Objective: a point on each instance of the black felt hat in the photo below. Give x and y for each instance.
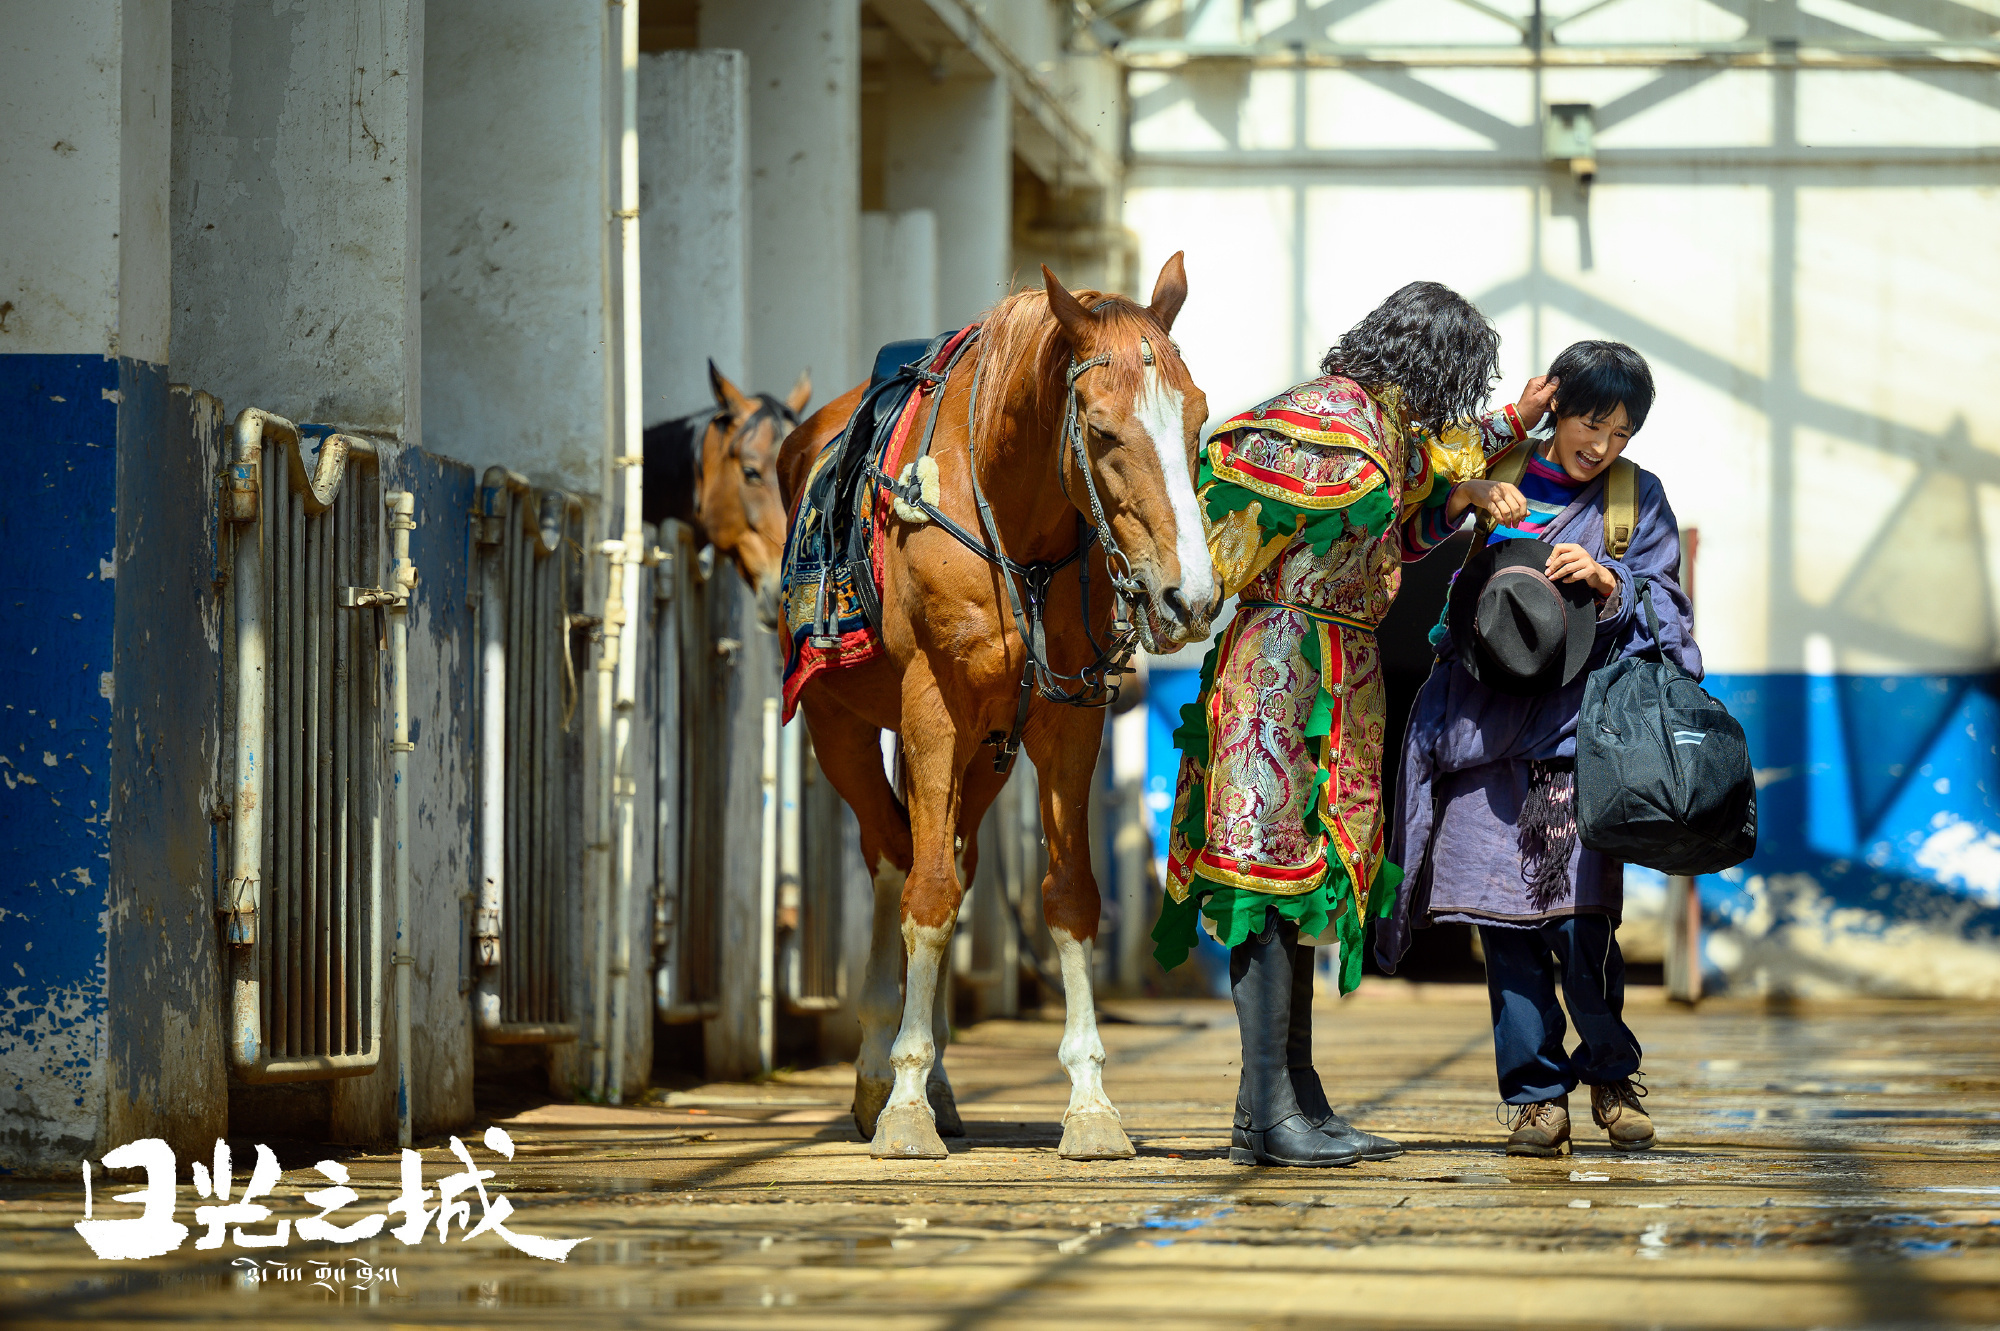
(1517, 631)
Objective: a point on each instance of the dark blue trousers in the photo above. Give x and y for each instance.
(1521, 970)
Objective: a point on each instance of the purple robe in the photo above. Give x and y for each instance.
(1467, 751)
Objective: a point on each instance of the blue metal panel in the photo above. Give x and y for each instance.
(58, 476)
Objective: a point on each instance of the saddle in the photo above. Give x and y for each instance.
(831, 581)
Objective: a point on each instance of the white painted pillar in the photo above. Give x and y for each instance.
(805, 185)
(899, 279)
(515, 237)
(694, 220)
(945, 148)
(295, 208)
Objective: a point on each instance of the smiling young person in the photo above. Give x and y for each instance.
(1486, 811)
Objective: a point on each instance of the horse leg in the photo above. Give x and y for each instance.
(1066, 757)
(907, 1128)
(978, 786)
(849, 752)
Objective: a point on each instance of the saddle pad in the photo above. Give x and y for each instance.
(831, 582)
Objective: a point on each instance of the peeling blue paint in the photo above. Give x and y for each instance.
(58, 484)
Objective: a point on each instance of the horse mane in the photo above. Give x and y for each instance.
(1023, 351)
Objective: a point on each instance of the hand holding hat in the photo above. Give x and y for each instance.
(1519, 630)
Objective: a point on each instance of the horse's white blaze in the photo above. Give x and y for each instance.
(1081, 1052)
(1159, 409)
(881, 1002)
(915, 1051)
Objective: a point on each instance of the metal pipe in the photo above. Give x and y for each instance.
(632, 544)
(767, 898)
(607, 666)
(491, 518)
(402, 582)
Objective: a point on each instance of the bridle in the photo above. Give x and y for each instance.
(768, 408)
(1096, 684)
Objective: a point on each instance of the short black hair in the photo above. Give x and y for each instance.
(1429, 341)
(1594, 377)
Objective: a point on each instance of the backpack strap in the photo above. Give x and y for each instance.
(1620, 506)
(1513, 464)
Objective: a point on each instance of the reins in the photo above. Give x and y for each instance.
(1096, 684)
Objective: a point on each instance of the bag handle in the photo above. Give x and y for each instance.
(1640, 588)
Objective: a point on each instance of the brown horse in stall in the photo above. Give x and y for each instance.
(716, 470)
(1077, 420)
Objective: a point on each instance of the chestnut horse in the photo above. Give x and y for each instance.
(716, 470)
(1056, 376)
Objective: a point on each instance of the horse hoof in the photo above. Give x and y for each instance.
(905, 1132)
(1095, 1136)
(945, 1108)
(870, 1094)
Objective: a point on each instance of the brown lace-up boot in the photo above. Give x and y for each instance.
(1541, 1128)
(1617, 1110)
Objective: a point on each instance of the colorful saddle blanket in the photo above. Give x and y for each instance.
(831, 583)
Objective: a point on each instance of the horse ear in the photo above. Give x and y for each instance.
(1171, 290)
(727, 395)
(802, 392)
(1068, 310)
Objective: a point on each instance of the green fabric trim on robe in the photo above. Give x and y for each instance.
(1237, 913)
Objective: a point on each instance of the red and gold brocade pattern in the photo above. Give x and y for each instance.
(1283, 803)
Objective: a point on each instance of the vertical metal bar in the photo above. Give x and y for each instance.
(511, 935)
(368, 516)
(548, 769)
(270, 523)
(310, 826)
(297, 806)
(542, 637)
(403, 506)
(279, 813)
(343, 665)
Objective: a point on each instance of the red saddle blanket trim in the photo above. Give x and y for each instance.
(864, 645)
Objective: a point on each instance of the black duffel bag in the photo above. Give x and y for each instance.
(1663, 774)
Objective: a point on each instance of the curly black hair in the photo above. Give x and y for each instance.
(1429, 341)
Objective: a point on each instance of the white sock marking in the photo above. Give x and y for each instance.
(881, 987)
(914, 1051)
(1081, 1052)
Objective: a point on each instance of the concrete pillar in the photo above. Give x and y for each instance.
(805, 184)
(295, 208)
(295, 220)
(109, 1029)
(694, 218)
(517, 237)
(899, 279)
(945, 148)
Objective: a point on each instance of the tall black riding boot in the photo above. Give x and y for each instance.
(1305, 1078)
(1272, 1131)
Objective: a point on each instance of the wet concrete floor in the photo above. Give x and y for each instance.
(1821, 1165)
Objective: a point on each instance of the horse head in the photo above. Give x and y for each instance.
(1138, 416)
(715, 470)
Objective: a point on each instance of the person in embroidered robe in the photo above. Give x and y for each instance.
(1313, 500)
(1486, 825)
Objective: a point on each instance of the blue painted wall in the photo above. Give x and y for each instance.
(58, 485)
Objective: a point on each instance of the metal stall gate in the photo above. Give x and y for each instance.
(302, 905)
(529, 586)
(688, 869)
(752, 848)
